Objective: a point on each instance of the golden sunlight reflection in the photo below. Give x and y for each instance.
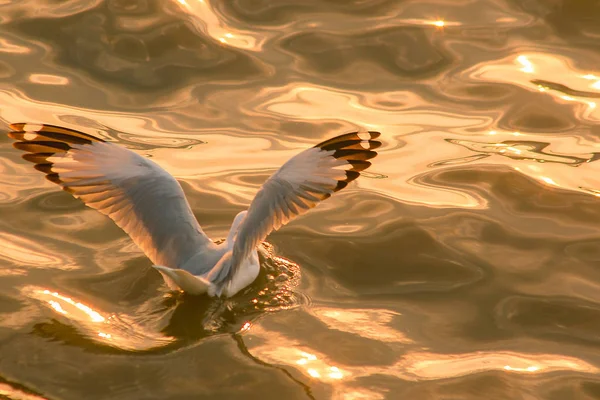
(70, 304)
(308, 102)
(246, 327)
(224, 158)
(17, 107)
(369, 323)
(440, 23)
(25, 252)
(314, 366)
(596, 84)
(524, 150)
(552, 75)
(408, 365)
(423, 365)
(544, 161)
(280, 350)
(7, 47)
(56, 305)
(548, 180)
(312, 102)
(46, 79)
(116, 330)
(208, 21)
(532, 368)
(17, 394)
(591, 104)
(527, 65)
(360, 394)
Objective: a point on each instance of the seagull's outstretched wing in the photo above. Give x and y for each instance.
(299, 185)
(142, 198)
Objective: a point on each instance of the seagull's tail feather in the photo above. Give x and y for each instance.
(224, 283)
(183, 280)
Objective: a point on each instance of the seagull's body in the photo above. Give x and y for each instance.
(150, 206)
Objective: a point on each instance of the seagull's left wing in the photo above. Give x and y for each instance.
(142, 198)
(299, 185)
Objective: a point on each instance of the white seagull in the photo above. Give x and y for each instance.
(149, 205)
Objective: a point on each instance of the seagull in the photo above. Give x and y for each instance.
(149, 204)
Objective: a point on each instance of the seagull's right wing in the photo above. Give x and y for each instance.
(299, 185)
(142, 198)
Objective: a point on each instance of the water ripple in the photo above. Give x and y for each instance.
(463, 264)
(113, 51)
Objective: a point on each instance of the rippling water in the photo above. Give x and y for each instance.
(464, 265)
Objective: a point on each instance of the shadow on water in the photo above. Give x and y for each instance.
(244, 350)
(165, 322)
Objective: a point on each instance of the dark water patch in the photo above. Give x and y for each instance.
(536, 118)
(403, 258)
(167, 53)
(565, 320)
(268, 14)
(403, 52)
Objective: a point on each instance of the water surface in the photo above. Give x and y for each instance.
(465, 264)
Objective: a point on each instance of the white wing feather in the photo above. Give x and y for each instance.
(138, 195)
(299, 185)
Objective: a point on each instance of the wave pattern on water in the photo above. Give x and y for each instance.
(463, 265)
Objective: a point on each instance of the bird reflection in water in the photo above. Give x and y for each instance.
(173, 320)
(277, 280)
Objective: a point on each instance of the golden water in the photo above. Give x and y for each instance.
(464, 265)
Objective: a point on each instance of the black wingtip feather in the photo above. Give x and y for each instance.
(37, 158)
(351, 155)
(32, 145)
(359, 165)
(355, 148)
(374, 144)
(53, 132)
(17, 126)
(340, 185)
(14, 135)
(45, 168)
(350, 176)
(355, 144)
(42, 141)
(53, 177)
